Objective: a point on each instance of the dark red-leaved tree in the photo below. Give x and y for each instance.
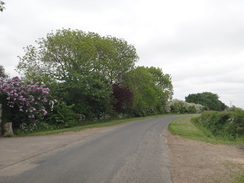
(123, 98)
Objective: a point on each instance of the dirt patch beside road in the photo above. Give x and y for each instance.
(194, 161)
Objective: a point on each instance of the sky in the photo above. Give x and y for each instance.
(200, 43)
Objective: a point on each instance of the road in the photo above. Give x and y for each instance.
(133, 152)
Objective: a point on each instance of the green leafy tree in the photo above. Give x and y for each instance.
(163, 82)
(151, 89)
(115, 57)
(208, 99)
(79, 67)
(70, 54)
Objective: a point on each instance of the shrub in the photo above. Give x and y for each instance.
(179, 106)
(63, 116)
(237, 122)
(226, 124)
(23, 103)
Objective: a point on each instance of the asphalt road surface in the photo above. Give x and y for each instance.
(135, 152)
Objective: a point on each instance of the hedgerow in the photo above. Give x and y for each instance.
(228, 124)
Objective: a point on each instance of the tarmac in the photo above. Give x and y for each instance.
(18, 154)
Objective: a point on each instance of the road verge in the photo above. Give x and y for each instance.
(198, 157)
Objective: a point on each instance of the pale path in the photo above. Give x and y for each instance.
(133, 152)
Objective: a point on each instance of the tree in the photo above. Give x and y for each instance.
(2, 72)
(2, 5)
(151, 88)
(208, 99)
(121, 60)
(68, 55)
(79, 67)
(163, 81)
(123, 98)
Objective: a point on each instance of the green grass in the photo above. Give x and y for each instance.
(239, 179)
(187, 129)
(237, 172)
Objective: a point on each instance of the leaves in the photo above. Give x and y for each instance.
(151, 88)
(79, 67)
(66, 54)
(207, 99)
(2, 5)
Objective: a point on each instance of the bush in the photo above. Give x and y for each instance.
(226, 124)
(22, 103)
(182, 107)
(237, 122)
(63, 116)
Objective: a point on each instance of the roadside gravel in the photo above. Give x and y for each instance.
(198, 162)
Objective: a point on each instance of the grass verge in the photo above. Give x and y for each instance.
(184, 127)
(237, 171)
(83, 127)
(187, 129)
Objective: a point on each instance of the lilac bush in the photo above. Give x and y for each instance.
(22, 98)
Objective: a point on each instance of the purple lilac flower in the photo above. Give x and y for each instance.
(24, 96)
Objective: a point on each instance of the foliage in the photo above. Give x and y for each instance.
(227, 124)
(2, 5)
(179, 106)
(68, 55)
(123, 98)
(91, 101)
(79, 68)
(208, 99)
(3, 75)
(151, 89)
(93, 77)
(23, 102)
(62, 116)
(119, 59)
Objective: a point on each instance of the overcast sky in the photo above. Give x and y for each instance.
(200, 43)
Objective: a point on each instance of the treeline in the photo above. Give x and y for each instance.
(209, 100)
(71, 77)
